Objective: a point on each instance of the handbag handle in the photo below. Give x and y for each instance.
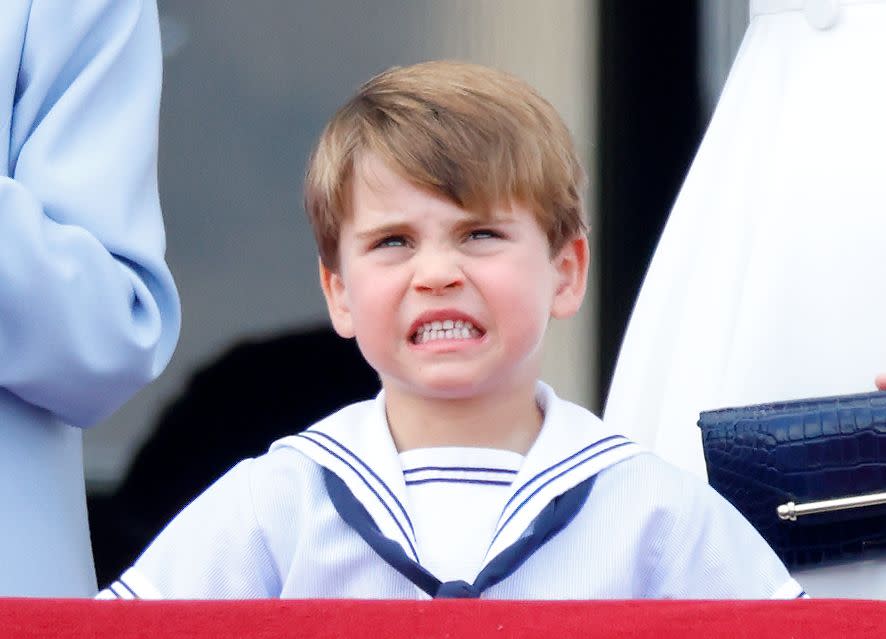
(790, 511)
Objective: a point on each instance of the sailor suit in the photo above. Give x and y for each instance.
(588, 515)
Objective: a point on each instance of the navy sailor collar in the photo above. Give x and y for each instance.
(356, 445)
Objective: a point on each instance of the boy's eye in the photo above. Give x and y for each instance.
(391, 241)
(483, 234)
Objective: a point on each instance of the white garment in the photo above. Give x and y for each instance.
(767, 282)
(268, 528)
(454, 496)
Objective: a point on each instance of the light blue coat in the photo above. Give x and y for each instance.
(88, 309)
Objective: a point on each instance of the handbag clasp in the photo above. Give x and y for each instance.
(790, 511)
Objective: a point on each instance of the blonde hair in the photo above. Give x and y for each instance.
(477, 136)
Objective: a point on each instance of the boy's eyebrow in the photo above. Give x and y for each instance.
(397, 228)
(492, 219)
(383, 229)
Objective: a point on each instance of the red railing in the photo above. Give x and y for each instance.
(328, 619)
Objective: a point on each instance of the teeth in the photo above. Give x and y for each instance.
(445, 329)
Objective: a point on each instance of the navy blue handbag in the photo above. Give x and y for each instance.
(810, 474)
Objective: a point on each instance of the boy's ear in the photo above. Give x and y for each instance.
(571, 264)
(336, 301)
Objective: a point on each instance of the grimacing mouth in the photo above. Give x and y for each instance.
(445, 329)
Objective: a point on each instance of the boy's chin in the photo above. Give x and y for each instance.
(452, 389)
(450, 392)
(438, 391)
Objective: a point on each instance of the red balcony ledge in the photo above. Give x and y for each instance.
(331, 619)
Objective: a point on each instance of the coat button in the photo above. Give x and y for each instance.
(822, 14)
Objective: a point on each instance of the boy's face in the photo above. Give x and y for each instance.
(442, 303)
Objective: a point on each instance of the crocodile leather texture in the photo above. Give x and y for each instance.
(759, 457)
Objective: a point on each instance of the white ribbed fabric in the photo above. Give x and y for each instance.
(647, 530)
(454, 497)
(767, 282)
(268, 529)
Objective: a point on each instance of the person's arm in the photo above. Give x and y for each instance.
(881, 382)
(88, 309)
(216, 548)
(712, 552)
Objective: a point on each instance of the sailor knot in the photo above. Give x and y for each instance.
(457, 590)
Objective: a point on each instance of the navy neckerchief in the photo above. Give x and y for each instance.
(550, 521)
(356, 444)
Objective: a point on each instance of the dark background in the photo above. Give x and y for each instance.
(650, 125)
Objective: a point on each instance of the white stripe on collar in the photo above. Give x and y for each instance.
(573, 446)
(356, 444)
(138, 586)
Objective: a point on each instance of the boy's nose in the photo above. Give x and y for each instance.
(436, 272)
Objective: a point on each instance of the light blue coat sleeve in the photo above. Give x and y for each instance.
(89, 312)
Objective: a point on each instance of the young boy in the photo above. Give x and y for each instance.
(446, 203)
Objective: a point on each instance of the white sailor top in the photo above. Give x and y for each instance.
(590, 516)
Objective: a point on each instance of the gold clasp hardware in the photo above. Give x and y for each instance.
(790, 511)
